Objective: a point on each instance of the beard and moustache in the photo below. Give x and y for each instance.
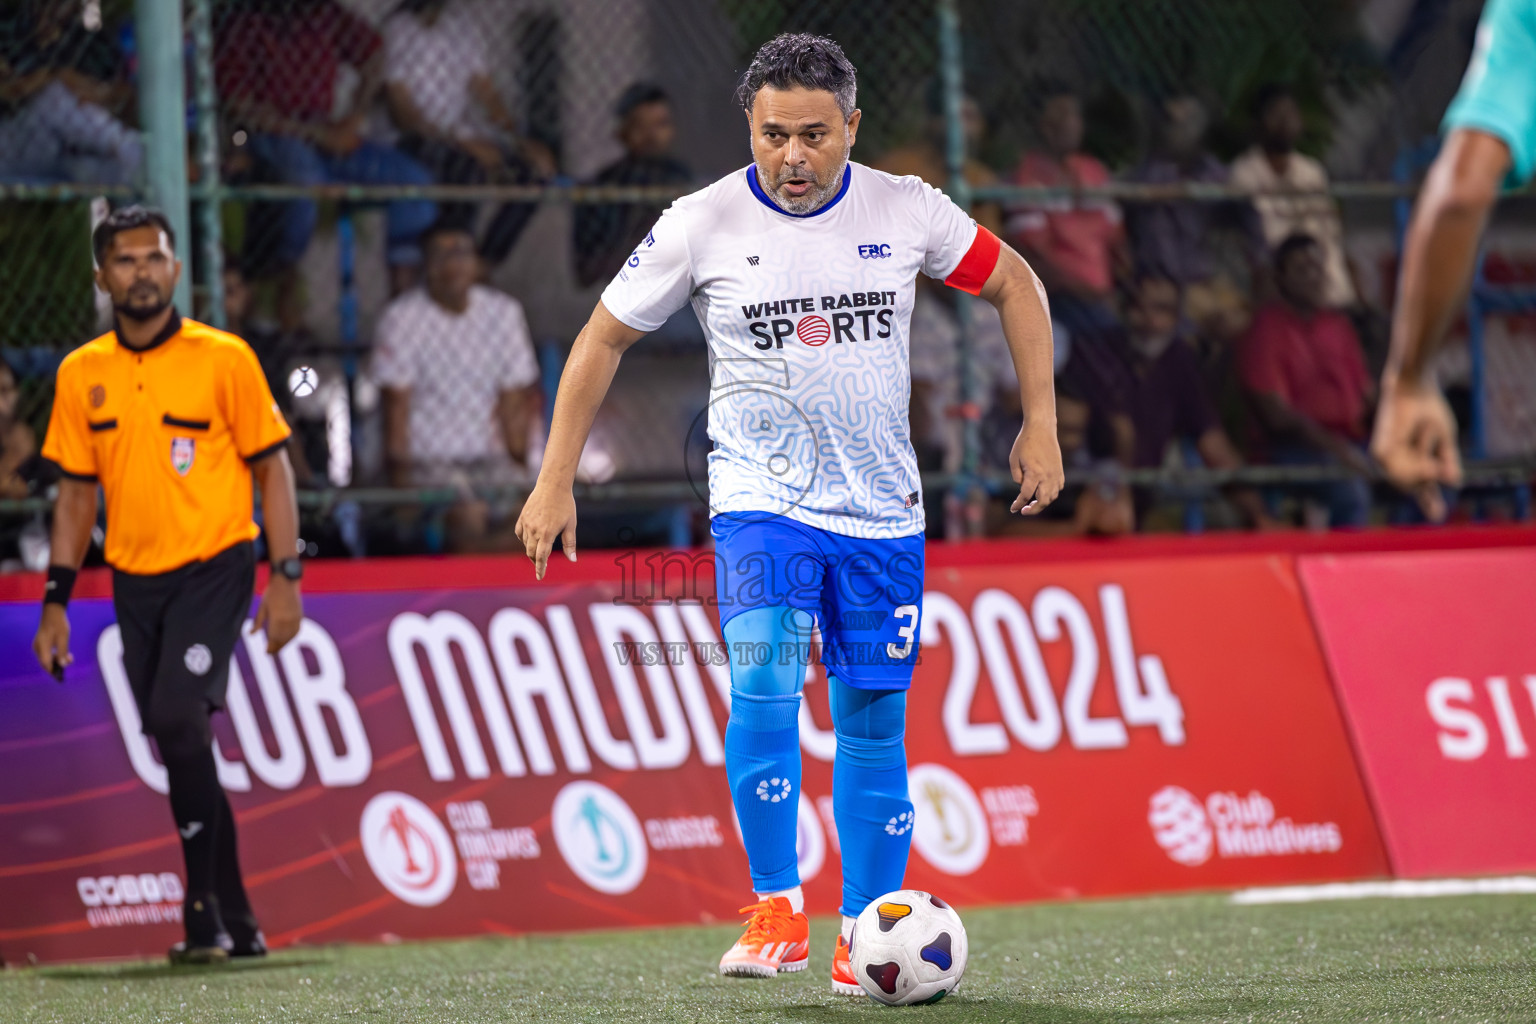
(143, 301)
(818, 195)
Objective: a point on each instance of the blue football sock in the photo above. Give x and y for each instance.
(762, 743)
(869, 791)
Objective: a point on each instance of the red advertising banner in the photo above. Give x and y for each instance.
(457, 752)
(1434, 654)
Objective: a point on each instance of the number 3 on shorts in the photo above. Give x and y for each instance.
(909, 612)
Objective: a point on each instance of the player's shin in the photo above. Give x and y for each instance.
(874, 817)
(762, 762)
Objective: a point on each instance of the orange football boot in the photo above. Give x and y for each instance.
(843, 981)
(776, 940)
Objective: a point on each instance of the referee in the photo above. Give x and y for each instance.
(173, 419)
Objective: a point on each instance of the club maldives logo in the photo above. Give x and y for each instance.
(951, 830)
(1228, 825)
(408, 849)
(599, 837)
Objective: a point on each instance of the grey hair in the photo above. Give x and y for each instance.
(800, 59)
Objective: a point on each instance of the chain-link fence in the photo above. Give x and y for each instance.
(537, 140)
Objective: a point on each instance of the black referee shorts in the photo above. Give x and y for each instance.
(179, 630)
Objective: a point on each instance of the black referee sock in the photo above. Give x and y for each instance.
(197, 802)
(234, 906)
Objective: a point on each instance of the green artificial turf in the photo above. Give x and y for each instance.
(1195, 958)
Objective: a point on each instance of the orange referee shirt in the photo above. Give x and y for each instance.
(169, 431)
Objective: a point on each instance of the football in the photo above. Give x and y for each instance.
(908, 947)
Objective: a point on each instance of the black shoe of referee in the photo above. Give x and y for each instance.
(245, 938)
(200, 916)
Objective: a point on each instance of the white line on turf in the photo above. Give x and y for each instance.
(1399, 889)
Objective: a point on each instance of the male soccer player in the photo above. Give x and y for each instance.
(1491, 139)
(802, 268)
(173, 419)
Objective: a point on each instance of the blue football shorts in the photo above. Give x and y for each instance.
(865, 594)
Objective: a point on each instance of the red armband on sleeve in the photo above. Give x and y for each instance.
(977, 263)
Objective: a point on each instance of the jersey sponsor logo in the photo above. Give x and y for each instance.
(183, 451)
(198, 659)
(1228, 825)
(752, 261)
(871, 316)
(599, 837)
(408, 849)
(881, 251)
(813, 330)
(634, 257)
(98, 396)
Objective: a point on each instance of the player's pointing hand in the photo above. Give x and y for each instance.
(1415, 444)
(1036, 466)
(548, 513)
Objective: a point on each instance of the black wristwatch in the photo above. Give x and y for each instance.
(289, 568)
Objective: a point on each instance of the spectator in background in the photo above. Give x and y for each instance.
(1076, 245)
(277, 62)
(438, 83)
(1303, 206)
(927, 159)
(62, 91)
(1190, 242)
(1149, 372)
(460, 384)
(1302, 366)
(17, 441)
(606, 234)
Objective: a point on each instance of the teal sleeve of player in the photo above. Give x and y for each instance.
(1498, 94)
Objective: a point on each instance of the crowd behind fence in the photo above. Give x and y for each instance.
(409, 207)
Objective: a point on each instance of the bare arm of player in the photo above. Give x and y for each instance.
(550, 511)
(1035, 461)
(282, 609)
(74, 514)
(1415, 435)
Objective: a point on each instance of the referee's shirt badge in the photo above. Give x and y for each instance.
(183, 449)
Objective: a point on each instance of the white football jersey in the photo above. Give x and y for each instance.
(807, 320)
